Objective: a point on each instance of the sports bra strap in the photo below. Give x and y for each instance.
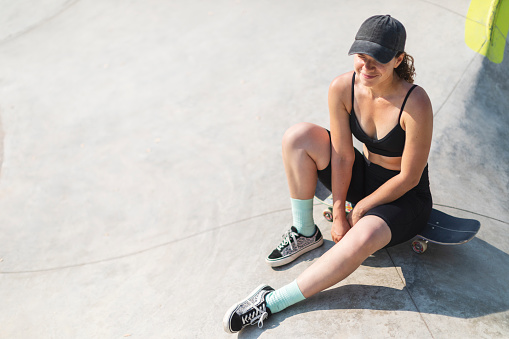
(353, 84)
(404, 101)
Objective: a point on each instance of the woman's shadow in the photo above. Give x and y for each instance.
(466, 281)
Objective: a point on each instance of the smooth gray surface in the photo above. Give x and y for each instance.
(141, 178)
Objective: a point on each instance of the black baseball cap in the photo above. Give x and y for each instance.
(381, 37)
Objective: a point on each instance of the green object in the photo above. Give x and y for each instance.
(486, 28)
(302, 212)
(284, 297)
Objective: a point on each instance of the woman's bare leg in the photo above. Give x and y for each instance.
(369, 235)
(306, 148)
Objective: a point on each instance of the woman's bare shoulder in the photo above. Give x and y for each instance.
(342, 82)
(341, 89)
(418, 105)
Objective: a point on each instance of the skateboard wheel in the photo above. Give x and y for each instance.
(327, 214)
(419, 246)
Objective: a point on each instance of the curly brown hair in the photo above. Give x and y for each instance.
(406, 69)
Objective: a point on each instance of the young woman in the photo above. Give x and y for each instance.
(388, 184)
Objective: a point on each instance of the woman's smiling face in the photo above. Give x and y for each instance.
(372, 72)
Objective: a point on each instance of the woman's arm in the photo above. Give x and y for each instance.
(417, 121)
(342, 152)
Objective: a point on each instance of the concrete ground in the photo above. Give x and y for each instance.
(142, 184)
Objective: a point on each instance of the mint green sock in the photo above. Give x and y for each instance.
(284, 297)
(302, 212)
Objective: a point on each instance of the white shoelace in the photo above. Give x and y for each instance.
(261, 316)
(287, 240)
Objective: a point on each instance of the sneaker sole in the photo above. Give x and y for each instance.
(229, 313)
(286, 260)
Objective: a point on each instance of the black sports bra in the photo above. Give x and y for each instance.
(392, 144)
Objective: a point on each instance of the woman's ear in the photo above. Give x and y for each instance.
(399, 60)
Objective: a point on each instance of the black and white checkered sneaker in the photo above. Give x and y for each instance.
(293, 246)
(250, 311)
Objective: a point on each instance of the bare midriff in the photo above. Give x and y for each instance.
(390, 163)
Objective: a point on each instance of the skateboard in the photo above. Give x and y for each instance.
(445, 229)
(323, 195)
(442, 228)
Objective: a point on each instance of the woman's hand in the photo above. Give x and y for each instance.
(355, 215)
(339, 228)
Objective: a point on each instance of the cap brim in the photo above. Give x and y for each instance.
(379, 52)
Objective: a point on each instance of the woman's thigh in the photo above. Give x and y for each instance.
(367, 236)
(406, 216)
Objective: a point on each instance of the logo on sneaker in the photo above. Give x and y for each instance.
(250, 311)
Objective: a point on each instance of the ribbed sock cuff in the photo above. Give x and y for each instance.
(302, 212)
(284, 297)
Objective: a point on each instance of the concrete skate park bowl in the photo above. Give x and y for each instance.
(142, 184)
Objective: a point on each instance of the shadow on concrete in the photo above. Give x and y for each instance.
(348, 297)
(488, 118)
(466, 281)
(473, 140)
(445, 280)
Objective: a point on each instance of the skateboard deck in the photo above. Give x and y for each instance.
(442, 228)
(445, 229)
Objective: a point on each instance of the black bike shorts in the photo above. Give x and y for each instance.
(406, 216)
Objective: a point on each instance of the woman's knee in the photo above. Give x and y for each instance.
(309, 139)
(298, 134)
(372, 233)
(307, 136)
